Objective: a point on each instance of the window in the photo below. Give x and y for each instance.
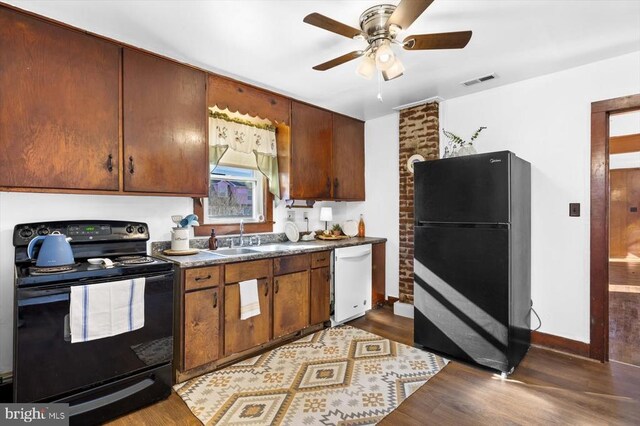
(235, 193)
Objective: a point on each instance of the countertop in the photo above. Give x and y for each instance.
(204, 258)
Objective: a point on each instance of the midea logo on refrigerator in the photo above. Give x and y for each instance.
(495, 160)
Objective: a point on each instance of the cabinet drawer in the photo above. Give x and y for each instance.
(236, 272)
(321, 259)
(201, 277)
(288, 264)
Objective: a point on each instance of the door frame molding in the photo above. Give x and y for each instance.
(599, 261)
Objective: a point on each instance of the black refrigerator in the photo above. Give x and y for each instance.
(472, 258)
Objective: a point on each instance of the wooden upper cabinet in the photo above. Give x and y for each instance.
(165, 113)
(58, 106)
(237, 97)
(310, 168)
(348, 158)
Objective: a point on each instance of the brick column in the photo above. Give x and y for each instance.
(419, 134)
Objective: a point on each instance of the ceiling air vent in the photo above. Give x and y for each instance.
(480, 79)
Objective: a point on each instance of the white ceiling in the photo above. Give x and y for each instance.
(266, 43)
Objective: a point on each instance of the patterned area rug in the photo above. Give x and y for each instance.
(337, 376)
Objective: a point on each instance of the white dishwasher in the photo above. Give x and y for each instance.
(352, 282)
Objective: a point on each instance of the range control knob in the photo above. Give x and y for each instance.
(141, 230)
(43, 231)
(129, 229)
(26, 233)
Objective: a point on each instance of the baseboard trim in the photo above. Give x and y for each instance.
(561, 344)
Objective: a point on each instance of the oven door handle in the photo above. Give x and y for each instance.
(110, 398)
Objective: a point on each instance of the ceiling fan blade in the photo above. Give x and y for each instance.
(339, 60)
(407, 12)
(329, 24)
(454, 40)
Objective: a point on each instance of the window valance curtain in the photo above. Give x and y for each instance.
(244, 136)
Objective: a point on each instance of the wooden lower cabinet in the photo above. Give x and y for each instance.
(290, 303)
(201, 327)
(320, 295)
(240, 335)
(294, 296)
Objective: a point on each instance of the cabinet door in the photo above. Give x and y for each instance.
(290, 303)
(244, 334)
(59, 106)
(348, 158)
(164, 126)
(310, 176)
(225, 93)
(320, 295)
(201, 327)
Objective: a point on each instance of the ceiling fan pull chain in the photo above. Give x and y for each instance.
(379, 96)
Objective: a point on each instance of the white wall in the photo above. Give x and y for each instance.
(381, 210)
(546, 121)
(24, 208)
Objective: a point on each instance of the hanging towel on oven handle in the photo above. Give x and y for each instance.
(106, 309)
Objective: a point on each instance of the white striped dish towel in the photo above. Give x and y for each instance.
(106, 309)
(249, 302)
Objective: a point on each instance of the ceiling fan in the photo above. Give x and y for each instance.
(379, 26)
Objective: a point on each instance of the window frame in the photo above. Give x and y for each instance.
(258, 178)
(204, 230)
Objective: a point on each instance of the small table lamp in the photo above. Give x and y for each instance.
(326, 215)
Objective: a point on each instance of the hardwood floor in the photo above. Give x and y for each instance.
(547, 388)
(624, 311)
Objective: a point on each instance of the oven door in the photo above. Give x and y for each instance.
(47, 366)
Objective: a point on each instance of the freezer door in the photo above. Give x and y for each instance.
(461, 287)
(471, 189)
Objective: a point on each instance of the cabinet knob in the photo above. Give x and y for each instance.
(276, 288)
(215, 299)
(131, 168)
(110, 163)
(266, 290)
(328, 183)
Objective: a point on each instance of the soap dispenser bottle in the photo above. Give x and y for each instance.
(361, 227)
(213, 242)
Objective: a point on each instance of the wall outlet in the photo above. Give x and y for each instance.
(305, 215)
(291, 216)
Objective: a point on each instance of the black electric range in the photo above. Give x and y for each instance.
(103, 378)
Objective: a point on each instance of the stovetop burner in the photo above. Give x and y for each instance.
(134, 260)
(46, 270)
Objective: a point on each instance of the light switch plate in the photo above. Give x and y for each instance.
(574, 209)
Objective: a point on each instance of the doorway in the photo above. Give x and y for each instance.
(599, 258)
(624, 237)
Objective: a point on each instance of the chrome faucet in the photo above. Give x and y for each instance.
(241, 232)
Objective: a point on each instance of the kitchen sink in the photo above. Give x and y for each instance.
(282, 247)
(272, 247)
(235, 251)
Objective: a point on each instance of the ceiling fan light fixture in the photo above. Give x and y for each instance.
(367, 67)
(384, 56)
(394, 71)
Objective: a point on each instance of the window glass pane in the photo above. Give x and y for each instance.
(231, 198)
(235, 193)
